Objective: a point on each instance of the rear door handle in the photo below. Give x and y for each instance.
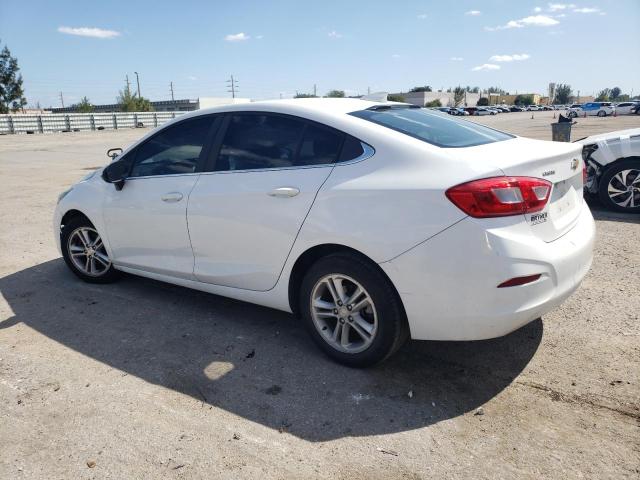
(284, 192)
(171, 197)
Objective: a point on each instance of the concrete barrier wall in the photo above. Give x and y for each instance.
(58, 122)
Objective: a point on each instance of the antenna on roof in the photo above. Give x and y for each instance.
(376, 97)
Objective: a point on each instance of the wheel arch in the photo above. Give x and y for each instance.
(315, 253)
(73, 214)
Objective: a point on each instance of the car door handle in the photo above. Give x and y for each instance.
(284, 192)
(171, 197)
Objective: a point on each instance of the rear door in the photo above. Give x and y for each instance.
(245, 214)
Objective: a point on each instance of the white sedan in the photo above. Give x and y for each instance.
(372, 221)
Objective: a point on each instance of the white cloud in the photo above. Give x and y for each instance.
(89, 32)
(473, 13)
(395, 55)
(486, 66)
(587, 10)
(537, 9)
(237, 37)
(422, 16)
(561, 15)
(457, 59)
(510, 58)
(334, 34)
(555, 7)
(531, 21)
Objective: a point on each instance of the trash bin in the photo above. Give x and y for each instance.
(561, 132)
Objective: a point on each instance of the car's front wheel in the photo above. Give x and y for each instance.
(602, 113)
(619, 186)
(352, 311)
(84, 252)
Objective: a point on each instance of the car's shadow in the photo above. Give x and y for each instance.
(256, 362)
(600, 212)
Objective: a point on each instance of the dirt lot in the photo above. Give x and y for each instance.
(145, 380)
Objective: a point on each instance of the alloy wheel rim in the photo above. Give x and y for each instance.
(343, 313)
(87, 252)
(624, 188)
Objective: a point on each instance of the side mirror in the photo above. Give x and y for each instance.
(116, 173)
(114, 152)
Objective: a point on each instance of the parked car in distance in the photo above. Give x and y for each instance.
(625, 108)
(636, 110)
(483, 111)
(516, 108)
(459, 111)
(503, 109)
(443, 109)
(613, 168)
(372, 221)
(532, 108)
(600, 109)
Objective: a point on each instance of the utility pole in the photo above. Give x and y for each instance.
(233, 84)
(314, 90)
(62, 99)
(368, 90)
(127, 80)
(138, 81)
(171, 86)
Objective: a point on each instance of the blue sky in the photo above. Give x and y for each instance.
(280, 47)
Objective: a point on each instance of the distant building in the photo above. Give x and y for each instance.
(510, 99)
(184, 105)
(446, 98)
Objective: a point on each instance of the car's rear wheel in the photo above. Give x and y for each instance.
(84, 252)
(352, 311)
(619, 186)
(602, 113)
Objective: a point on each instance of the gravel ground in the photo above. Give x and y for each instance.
(146, 380)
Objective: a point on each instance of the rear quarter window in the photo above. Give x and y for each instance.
(436, 128)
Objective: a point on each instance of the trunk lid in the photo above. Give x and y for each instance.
(556, 162)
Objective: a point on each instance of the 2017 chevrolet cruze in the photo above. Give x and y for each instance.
(372, 221)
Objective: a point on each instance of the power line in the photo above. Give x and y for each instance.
(233, 84)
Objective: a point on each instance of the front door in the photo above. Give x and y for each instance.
(146, 221)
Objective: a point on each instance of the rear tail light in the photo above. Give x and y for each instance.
(500, 196)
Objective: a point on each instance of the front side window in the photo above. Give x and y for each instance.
(256, 141)
(431, 127)
(174, 150)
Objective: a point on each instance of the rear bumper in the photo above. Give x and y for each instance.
(448, 284)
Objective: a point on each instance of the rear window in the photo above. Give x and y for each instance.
(435, 128)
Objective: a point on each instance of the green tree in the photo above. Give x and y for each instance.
(11, 92)
(434, 103)
(563, 94)
(472, 89)
(603, 95)
(305, 95)
(395, 98)
(336, 94)
(615, 93)
(84, 106)
(130, 102)
(483, 102)
(425, 88)
(523, 100)
(497, 90)
(458, 96)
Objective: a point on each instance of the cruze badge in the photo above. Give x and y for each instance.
(574, 163)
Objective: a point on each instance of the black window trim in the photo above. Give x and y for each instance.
(210, 164)
(206, 147)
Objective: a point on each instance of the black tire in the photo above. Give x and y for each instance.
(392, 330)
(109, 274)
(602, 113)
(607, 176)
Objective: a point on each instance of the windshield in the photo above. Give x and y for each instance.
(432, 127)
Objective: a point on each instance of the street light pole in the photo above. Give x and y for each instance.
(138, 82)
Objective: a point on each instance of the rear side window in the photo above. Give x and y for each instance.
(174, 150)
(259, 141)
(435, 128)
(351, 149)
(320, 146)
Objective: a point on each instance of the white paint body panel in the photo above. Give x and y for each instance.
(243, 243)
